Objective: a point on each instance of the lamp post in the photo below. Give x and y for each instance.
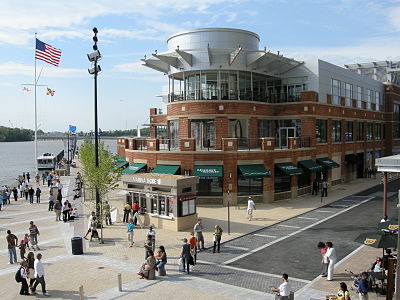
(94, 57)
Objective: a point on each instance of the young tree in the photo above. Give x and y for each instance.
(104, 177)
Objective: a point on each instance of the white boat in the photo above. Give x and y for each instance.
(49, 161)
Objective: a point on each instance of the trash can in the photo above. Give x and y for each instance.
(77, 245)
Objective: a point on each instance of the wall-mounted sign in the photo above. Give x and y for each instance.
(186, 198)
(146, 180)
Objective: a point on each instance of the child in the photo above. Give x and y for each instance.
(94, 232)
(22, 249)
(26, 241)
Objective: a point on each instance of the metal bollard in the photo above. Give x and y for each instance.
(81, 294)
(119, 282)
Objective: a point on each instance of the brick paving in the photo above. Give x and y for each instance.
(97, 269)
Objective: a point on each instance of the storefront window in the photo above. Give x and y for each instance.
(360, 131)
(378, 131)
(210, 186)
(170, 202)
(249, 185)
(162, 205)
(282, 182)
(142, 201)
(305, 179)
(187, 207)
(321, 131)
(154, 204)
(336, 131)
(348, 135)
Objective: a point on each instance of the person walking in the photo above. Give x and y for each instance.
(30, 260)
(49, 180)
(332, 258)
(21, 190)
(23, 175)
(24, 275)
(315, 187)
(38, 192)
(135, 210)
(193, 246)
(284, 289)
(57, 209)
(250, 207)
(324, 188)
(44, 176)
(185, 254)
(198, 229)
(31, 193)
(92, 219)
(28, 176)
(15, 193)
(39, 275)
(33, 233)
(107, 213)
(12, 242)
(65, 210)
(37, 179)
(148, 246)
(26, 192)
(51, 201)
(324, 260)
(130, 233)
(22, 249)
(362, 289)
(152, 234)
(127, 211)
(217, 238)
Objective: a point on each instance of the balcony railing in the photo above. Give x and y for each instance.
(233, 96)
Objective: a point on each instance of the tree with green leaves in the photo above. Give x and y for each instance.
(104, 177)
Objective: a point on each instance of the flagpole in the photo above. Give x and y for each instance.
(36, 165)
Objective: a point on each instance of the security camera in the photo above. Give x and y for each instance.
(93, 70)
(94, 55)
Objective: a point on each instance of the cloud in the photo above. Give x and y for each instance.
(373, 49)
(13, 68)
(135, 67)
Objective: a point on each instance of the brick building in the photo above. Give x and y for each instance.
(251, 122)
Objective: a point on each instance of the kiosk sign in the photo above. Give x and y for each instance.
(146, 180)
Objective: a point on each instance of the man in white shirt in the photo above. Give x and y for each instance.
(152, 233)
(250, 207)
(284, 289)
(92, 218)
(39, 275)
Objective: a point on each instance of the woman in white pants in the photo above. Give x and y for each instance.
(331, 255)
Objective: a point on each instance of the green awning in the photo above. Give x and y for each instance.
(133, 168)
(327, 162)
(289, 168)
(120, 165)
(254, 171)
(208, 171)
(121, 159)
(311, 165)
(165, 169)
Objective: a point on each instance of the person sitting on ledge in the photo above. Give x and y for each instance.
(148, 265)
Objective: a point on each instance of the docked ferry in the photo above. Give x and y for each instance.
(49, 161)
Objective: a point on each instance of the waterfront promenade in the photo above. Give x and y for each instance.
(97, 269)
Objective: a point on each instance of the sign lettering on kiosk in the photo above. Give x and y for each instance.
(146, 180)
(187, 197)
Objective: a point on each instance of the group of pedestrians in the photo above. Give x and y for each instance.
(33, 270)
(328, 259)
(316, 187)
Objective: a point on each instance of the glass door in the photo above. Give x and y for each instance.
(283, 134)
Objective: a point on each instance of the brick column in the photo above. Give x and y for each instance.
(307, 96)
(152, 145)
(229, 144)
(267, 143)
(308, 130)
(153, 131)
(221, 131)
(254, 141)
(187, 144)
(292, 143)
(184, 128)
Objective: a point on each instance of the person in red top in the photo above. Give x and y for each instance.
(135, 209)
(324, 261)
(193, 246)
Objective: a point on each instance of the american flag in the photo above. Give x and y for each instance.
(47, 53)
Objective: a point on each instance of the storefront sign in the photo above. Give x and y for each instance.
(146, 180)
(186, 198)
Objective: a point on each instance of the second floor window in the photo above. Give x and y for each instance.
(349, 132)
(336, 131)
(335, 91)
(320, 131)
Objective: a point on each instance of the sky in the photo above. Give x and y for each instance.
(340, 31)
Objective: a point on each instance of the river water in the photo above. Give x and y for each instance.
(18, 157)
